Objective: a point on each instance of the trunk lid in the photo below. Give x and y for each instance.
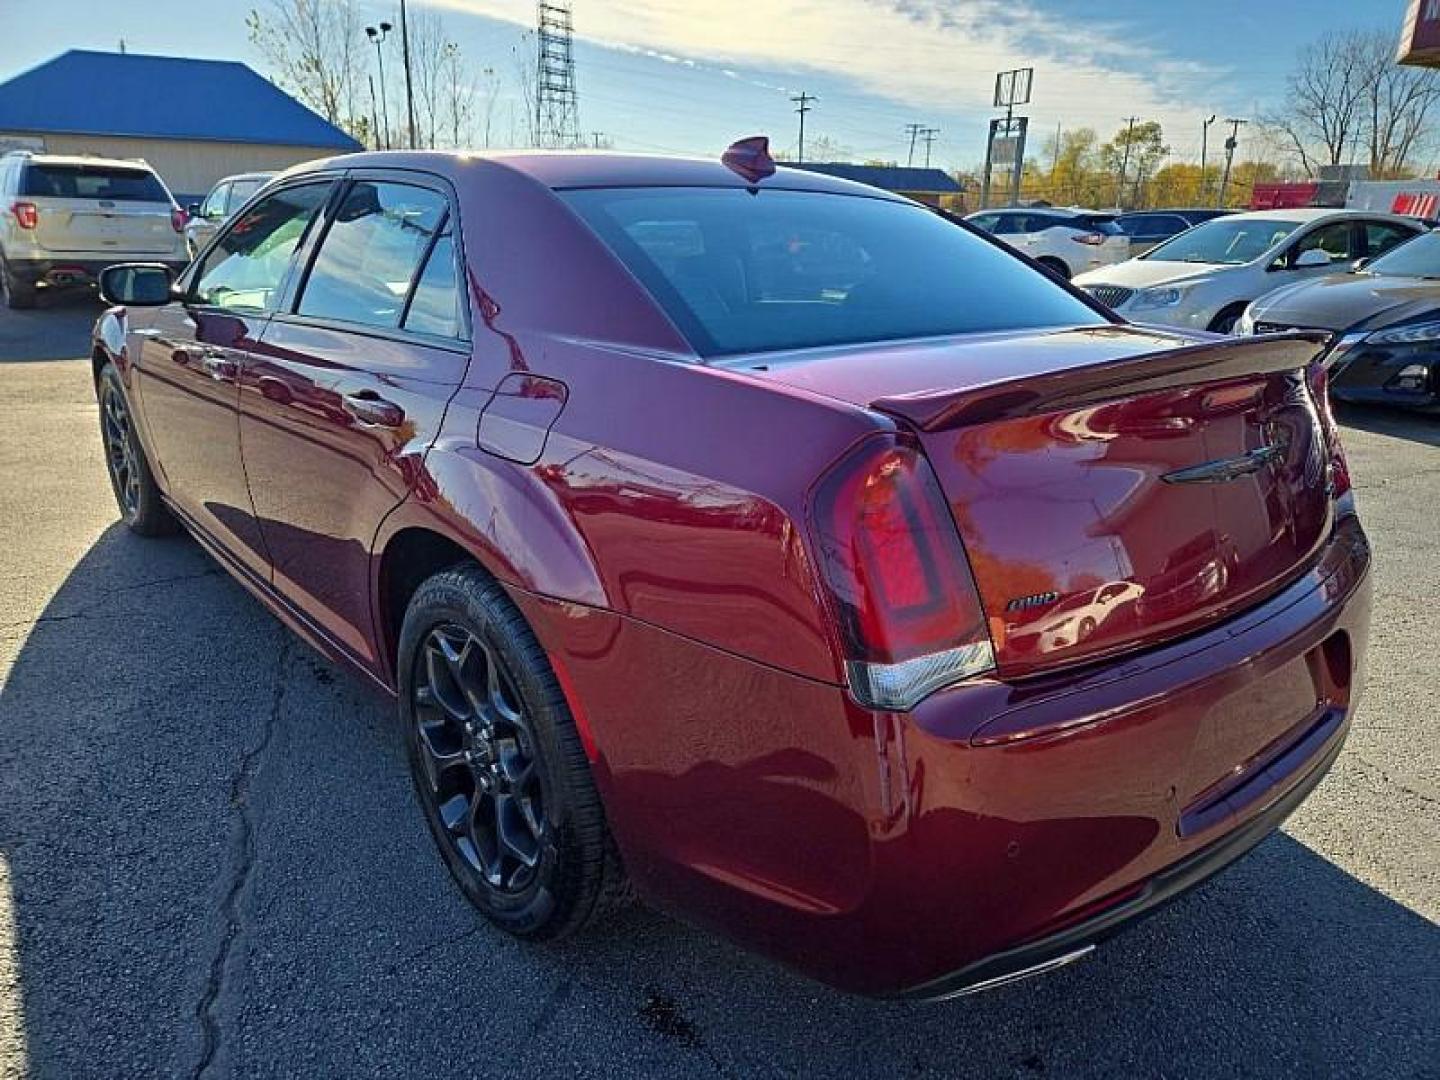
(1114, 487)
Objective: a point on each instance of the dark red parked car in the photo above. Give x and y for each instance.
(762, 541)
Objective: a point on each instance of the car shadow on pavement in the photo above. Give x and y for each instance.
(1399, 423)
(216, 867)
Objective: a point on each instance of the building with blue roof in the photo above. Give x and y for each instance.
(193, 121)
(934, 187)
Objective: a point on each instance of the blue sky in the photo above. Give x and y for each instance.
(691, 75)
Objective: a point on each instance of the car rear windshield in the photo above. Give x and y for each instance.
(1229, 241)
(117, 184)
(743, 272)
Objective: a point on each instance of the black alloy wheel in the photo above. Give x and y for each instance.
(477, 750)
(498, 764)
(136, 493)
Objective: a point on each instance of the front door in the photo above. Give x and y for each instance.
(189, 361)
(346, 391)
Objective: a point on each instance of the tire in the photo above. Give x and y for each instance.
(1224, 322)
(507, 778)
(19, 295)
(1056, 267)
(136, 494)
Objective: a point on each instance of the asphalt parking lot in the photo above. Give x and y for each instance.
(211, 863)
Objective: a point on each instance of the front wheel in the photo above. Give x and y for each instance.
(1224, 323)
(136, 493)
(1056, 267)
(497, 762)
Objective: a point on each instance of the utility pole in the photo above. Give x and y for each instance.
(912, 130)
(928, 134)
(1130, 122)
(1230, 144)
(409, 92)
(802, 106)
(377, 35)
(1204, 145)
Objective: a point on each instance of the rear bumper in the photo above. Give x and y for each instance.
(61, 272)
(998, 827)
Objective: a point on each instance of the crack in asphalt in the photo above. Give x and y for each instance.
(243, 848)
(88, 608)
(1385, 777)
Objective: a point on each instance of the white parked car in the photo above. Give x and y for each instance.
(64, 219)
(1067, 241)
(1204, 278)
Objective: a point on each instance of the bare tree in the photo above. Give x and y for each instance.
(313, 50)
(1398, 101)
(1347, 97)
(428, 45)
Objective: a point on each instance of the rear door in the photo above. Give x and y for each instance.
(96, 208)
(345, 392)
(190, 356)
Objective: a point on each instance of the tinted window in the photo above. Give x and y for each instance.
(370, 252)
(791, 269)
(1151, 225)
(245, 269)
(1009, 224)
(1380, 237)
(985, 221)
(1419, 258)
(1229, 241)
(1095, 223)
(435, 307)
(110, 182)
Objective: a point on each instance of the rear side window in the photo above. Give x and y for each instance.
(1096, 223)
(92, 182)
(370, 254)
(240, 191)
(435, 307)
(741, 272)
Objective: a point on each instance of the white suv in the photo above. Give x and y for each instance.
(1066, 241)
(64, 219)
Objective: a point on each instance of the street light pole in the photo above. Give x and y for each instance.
(409, 92)
(1204, 146)
(378, 36)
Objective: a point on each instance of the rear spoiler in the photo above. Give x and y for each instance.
(1130, 376)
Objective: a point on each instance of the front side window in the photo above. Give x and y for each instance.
(741, 272)
(215, 202)
(240, 191)
(1333, 240)
(369, 255)
(1419, 258)
(246, 267)
(1225, 241)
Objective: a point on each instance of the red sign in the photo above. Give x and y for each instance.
(1420, 38)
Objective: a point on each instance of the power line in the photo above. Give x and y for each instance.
(802, 106)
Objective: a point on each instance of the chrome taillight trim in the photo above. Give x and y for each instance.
(902, 686)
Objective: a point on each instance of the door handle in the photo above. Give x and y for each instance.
(370, 408)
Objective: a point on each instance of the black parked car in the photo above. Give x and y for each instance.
(1146, 228)
(1386, 319)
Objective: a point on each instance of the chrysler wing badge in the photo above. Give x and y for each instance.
(1225, 469)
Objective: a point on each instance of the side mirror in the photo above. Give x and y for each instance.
(1360, 264)
(136, 284)
(1311, 259)
(193, 209)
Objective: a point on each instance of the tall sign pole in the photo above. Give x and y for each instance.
(1005, 144)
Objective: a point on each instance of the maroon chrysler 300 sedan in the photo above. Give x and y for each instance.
(768, 544)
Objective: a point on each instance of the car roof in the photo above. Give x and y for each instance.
(86, 159)
(243, 176)
(566, 169)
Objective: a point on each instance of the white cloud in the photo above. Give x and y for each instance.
(922, 54)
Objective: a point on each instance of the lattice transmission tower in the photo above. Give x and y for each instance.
(557, 104)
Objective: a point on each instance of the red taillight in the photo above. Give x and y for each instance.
(26, 214)
(909, 617)
(178, 218)
(1094, 239)
(1339, 467)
